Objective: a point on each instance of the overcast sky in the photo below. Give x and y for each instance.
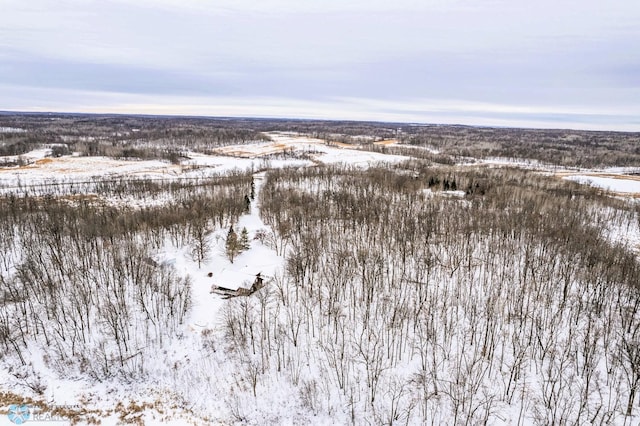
(542, 63)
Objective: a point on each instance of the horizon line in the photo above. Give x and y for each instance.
(307, 119)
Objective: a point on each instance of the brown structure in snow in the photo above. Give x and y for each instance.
(227, 293)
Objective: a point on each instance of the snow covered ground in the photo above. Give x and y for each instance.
(241, 273)
(164, 391)
(622, 184)
(42, 171)
(514, 162)
(11, 130)
(185, 377)
(317, 149)
(28, 158)
(163, 397)
(285, 150)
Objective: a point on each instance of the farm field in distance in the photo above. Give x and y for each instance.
(191, 270)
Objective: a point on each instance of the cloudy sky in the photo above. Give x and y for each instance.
(543, 63)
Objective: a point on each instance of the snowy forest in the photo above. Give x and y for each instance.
(412, 283)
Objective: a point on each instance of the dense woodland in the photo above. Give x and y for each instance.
(513, 300)
(119, 136)
(570, 148)
(407, 307)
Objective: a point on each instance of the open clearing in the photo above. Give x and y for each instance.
(621, 184)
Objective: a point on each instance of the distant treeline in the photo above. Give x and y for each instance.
(167, 137)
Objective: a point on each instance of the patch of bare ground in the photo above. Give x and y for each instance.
(44, 161)
(387, 142)
(277, 147)
(245, 153)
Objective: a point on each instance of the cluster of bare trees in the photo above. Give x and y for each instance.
(400, 306)
(121, 136)
(78, 275)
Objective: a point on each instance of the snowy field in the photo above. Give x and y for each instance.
(622, 184)
(43, 171)
(318, 150)
(285, 150)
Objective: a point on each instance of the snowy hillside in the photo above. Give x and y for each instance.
(396, 290)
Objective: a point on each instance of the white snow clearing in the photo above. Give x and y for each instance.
(28, 158)
(240, 273)
(623, 184)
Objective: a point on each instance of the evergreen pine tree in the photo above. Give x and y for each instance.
(244, 239)
(253, 189)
